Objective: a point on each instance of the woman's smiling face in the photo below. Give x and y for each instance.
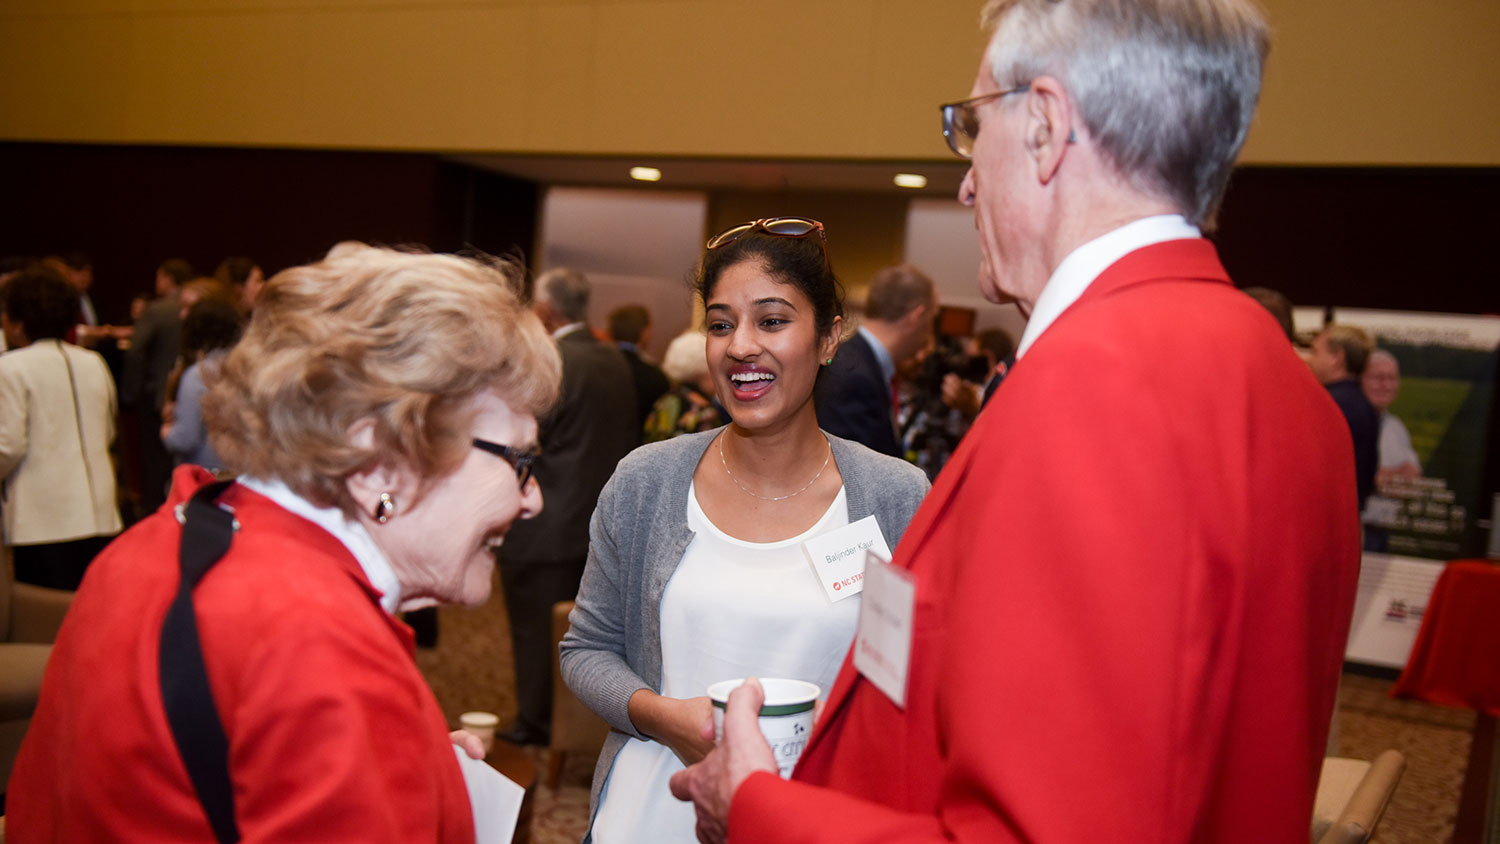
(764, 347)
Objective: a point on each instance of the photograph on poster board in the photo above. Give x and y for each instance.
(1431, 379)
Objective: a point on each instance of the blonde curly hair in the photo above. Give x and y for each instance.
(403, 339)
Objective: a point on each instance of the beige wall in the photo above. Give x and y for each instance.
(1350, 82)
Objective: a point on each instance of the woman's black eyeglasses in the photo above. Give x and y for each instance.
(521, 459)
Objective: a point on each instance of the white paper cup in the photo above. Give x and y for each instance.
(481, 724)
(786, 717)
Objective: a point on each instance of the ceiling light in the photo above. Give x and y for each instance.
(651, 174)
(910, 180)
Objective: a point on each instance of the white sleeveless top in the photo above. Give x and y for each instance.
(731, 609)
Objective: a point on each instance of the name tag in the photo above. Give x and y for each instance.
(838, 557)
(882, 648)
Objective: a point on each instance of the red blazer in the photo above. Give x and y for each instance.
(1134, 583)
(333, 735)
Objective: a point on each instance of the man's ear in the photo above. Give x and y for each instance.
(1050, 125)
(545, 312)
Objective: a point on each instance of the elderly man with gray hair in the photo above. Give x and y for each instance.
(592, 426)
(1123, 605)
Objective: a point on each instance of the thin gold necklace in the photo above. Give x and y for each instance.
(754, 494)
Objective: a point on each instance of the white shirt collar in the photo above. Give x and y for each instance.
(882, 355)
(352, 534)
(1084, 264)
(567, 329)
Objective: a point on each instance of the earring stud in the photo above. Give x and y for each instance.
(385, 508)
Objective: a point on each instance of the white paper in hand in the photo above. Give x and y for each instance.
(495, 800)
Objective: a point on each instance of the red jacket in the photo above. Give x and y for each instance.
(333, 735)
(1134, 582)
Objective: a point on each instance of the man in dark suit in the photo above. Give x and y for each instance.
(856, 394)
(582, 438)
(1339, 355)
(630, 329)
(148, 362)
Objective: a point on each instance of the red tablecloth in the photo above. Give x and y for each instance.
(1456, 660)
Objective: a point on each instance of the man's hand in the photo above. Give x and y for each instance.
(92, 335)
(472, 745)
(711, 784)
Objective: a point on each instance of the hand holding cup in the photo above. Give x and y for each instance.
(787, 711)
(742, 751)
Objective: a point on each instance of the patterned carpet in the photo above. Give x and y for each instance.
(470, 669)
(1435, 740)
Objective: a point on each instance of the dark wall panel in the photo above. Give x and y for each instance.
(130, 208)
(1400, 238)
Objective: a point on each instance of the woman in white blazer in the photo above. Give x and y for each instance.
(57, 419)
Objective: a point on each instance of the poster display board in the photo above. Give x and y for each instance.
(1388, 608)
(1434, 393)
(1429, 493)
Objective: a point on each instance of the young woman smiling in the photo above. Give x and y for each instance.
(696, 571)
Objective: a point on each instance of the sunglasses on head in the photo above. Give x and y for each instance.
(778, 226)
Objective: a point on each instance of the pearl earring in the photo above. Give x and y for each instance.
(385, 508)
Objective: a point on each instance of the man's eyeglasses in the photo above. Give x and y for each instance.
(520, 459)
(961, 120)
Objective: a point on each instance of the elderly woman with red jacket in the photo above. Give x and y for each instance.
(381, 410)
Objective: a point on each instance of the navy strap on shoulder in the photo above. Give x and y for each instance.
(207, 531)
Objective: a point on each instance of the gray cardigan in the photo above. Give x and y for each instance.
(636, 539)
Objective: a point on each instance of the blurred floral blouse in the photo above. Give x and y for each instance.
(684, 410)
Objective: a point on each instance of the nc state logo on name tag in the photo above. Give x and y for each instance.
(838, 557)
(882, 647)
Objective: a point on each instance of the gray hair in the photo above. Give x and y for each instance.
(567, 291)
(1167, 88)
(687, 358)
(897, 291)
(1382, 354)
